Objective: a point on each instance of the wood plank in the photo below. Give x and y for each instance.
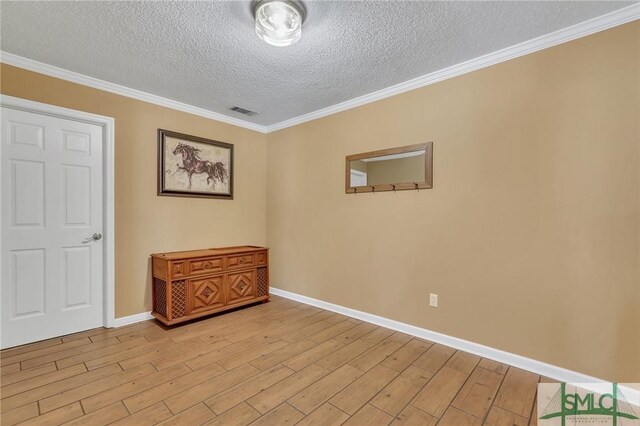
(331, 332)
(102, 417)
(9, 369)
(455, 417)
(344, 354)
(309, 330)
(162, 391)
(6, 359)
(19, 415)
(237, 360)
(355, 333)
(185, 392)
(412, 416)
(434, 358)
(59, 416)
(495, 366)
(179, 358)
(83, 334)
(478, 392)
(146, 326)
(325, 415)
(463, 361)
(400, 337)
(499, 417)
(225, 352)
(322, 390)
(377, 335)
(357, 394)
(30, 347)
(60, 386)
(518, 392)
(241, 392)
(282, 415)
(312, 355)
(375, 355)
(195, 415)
(26, 374)
(274, 358)
(44, 359)
(126, 354)
(132, 387)
(40, 380)
(275, 395)
(397, 394)
(438, 393)
(240, 415)
(77, 393)
(166, 350)
(369, 415)
(149, 416)
(407, 354)
(88, 356)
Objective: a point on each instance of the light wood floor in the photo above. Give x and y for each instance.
(272, 364)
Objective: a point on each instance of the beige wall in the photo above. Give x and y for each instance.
(531, 233)
(144, 222)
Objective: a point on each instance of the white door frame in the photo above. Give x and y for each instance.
(108, 132)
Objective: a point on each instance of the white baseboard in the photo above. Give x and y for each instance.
(131, 319)
(538, 367)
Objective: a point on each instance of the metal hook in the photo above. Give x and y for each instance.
(394, 187)
(373, 188)
(355, 190)
(416, 184)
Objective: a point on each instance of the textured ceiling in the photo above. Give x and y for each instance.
(207, 54)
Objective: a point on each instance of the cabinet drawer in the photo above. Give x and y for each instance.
(240, 286)
(179, 269)
(240, 261)
(206, 293)
(210, 265)
(261, 258)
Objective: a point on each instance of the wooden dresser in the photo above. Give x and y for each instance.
(195, 283)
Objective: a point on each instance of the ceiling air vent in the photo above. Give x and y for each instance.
(243, 111)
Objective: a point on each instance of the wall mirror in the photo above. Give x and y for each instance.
(394, 169)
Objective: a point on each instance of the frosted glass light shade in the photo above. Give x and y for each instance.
(279, 22)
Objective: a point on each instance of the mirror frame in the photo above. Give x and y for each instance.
(398, 186)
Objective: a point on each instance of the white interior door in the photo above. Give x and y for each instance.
(52, 208)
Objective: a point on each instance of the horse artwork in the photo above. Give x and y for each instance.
(194, 166)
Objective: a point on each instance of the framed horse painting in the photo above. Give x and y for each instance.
(190, 166)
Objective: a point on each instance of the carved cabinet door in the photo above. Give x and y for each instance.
(241, 286)
(206, 293)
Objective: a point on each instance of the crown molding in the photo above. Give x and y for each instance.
(600, 23)
(582, 29)
(74, 77)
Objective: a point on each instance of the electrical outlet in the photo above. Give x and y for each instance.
(433, 300)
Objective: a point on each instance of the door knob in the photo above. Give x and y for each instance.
(94, 237)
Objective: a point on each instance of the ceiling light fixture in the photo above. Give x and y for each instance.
(279, 22)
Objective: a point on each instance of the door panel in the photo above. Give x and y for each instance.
(206, 293)
(241, 286)
(27, 271)
(51, 190)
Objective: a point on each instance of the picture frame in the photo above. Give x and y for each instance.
(192, 166)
